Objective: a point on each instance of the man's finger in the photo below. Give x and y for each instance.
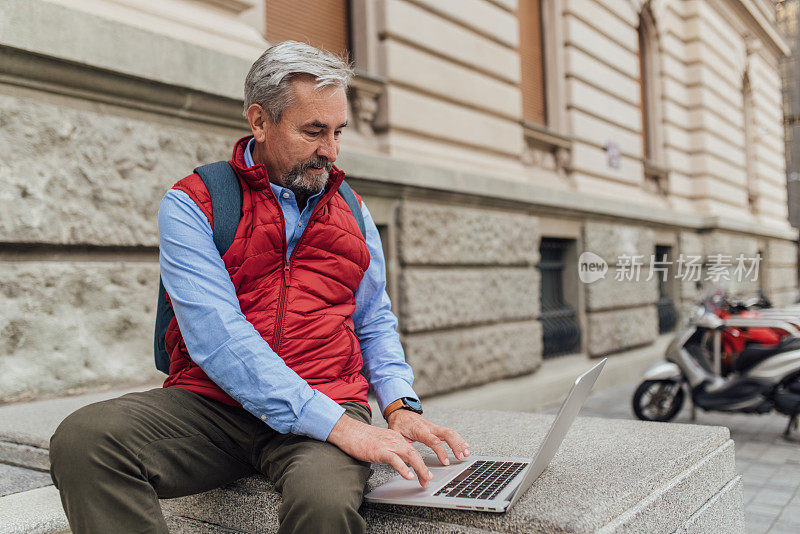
(454, 440)
(399, 465)
(433, 441)
(414, 458)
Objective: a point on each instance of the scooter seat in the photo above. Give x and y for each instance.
(754, 354)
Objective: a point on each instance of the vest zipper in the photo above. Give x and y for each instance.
(285, 275)
(282, 302)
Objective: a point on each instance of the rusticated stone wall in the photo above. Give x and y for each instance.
(469, 294)
(75, 173)
(620, 313)
(781, 272)
(777, 271)
(614, 330)
(80, 185)
(75, 324)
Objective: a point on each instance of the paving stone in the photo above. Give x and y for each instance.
(757, 523)
(790, 513)
(762, 508)
(783, 527)
(774, 497)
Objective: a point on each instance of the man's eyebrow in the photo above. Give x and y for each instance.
(317, 124)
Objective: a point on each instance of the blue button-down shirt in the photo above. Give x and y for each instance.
(230, 350)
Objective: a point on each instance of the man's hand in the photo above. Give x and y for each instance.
(414, 427)
(381, 445)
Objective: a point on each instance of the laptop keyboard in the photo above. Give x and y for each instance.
(482, 480)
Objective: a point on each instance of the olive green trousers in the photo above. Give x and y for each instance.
(111, 461)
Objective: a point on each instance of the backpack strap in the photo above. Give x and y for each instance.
(226, 201)
(355, 207)
(226, 206)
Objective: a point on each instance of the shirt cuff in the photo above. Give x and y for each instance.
(318, 417)
(391, 390)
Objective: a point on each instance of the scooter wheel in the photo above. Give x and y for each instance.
(657, 400)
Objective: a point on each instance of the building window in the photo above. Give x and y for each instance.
(542, 86)
(561, 331)
(323, 23)
(650, 103)
(749, 142)
(667, 314)
(532, 76)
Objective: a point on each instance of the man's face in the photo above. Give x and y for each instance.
(300, 150)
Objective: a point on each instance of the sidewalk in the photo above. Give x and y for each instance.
(769, 465)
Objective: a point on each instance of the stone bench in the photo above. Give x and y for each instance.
(608, 476)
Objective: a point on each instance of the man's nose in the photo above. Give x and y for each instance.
(328, 148)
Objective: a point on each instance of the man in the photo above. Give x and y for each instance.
(268, 342)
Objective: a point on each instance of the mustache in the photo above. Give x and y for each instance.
(320, 161)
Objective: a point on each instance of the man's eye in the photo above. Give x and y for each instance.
(311, 132)
(337, 133)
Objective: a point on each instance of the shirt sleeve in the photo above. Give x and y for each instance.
(218, 336)
(376, 326)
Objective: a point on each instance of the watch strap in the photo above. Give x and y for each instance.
(403, 403)
(393, 406)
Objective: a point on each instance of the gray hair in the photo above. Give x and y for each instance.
(268, 83)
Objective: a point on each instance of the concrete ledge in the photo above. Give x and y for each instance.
(608, 476)
(721, 513)
(612, 476)
(33, 512)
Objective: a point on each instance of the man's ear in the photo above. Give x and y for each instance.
(258, 118)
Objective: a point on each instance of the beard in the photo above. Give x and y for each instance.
(305, 185)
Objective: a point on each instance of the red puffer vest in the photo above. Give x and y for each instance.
(301, 307)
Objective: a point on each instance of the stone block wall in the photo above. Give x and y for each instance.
(776, 271)
(780, 272)
(620, 310)
(80, 185)
(469, 294)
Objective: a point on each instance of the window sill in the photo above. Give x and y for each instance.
(656, 177)
(542, 136)
(540, 139)
(655, 171)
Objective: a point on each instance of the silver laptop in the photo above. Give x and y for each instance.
(490, 484)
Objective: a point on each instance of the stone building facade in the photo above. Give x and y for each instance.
(658, 129)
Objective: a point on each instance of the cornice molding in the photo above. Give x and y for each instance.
(766, 28)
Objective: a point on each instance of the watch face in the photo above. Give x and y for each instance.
(413, 403)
